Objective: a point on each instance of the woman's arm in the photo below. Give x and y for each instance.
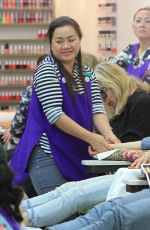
(101, 124)
(67, 125)
(100, 119)
(48, 89)
(128, 145)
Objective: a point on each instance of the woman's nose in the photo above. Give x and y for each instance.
(66, 44)
(142, 23)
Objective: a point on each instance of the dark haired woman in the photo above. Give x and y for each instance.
(135, 58)
(65, 107)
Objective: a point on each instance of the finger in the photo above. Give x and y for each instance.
(135, 163)
(138, 165)
(145, 160)
(5, 140)
(91, 151)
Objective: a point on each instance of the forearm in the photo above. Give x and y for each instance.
(128, 145)
(70, 127)
(67, 125)
(101, 123)
(103, 127)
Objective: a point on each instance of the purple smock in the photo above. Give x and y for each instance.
(68, 151)
(138, 72)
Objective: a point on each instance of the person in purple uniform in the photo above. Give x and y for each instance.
(10, 197)
(135, 58)
(65, 107)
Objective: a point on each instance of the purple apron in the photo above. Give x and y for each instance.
(10, 221)
(138, 72)
(68, 151)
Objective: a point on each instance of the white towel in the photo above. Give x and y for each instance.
(122, 176)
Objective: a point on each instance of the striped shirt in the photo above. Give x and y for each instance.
(46, 82)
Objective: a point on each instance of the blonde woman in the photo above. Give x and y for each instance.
(129, 98)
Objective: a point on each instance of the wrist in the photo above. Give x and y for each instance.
(107, 132)
(88, 137)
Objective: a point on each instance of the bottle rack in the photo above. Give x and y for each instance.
(23, 25)
(25, 3)
(107, 35)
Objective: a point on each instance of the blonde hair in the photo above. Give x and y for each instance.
(143, 8)
(89, 60)
(111, 76)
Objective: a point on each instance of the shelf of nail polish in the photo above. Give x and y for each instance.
(9, 105)
(24, 25)
(5, 106)
(107, 41)
(24, 49)
(107, 21)
(18, 64)
(25, 71)
(28, 17)
(107, 34)
(25, 3)
(14, 95)
(35, 40)
(23, 22)
(107, 8)
(15, 81)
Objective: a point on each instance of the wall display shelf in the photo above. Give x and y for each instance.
(107, 34)
(23, 29)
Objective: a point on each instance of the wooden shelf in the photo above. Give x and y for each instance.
(22, 55)
(28, 9)
(9, 102)
(17, 71)
(24, 24)
(106, 31)
(17, 86)
(23, 40)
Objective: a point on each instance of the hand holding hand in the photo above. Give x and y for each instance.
(98, 144)
(111, 138)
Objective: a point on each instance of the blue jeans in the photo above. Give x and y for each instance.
(127, 213)
(43, 172)
(53, 207)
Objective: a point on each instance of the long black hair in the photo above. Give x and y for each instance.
(60, 22)
(10, 197)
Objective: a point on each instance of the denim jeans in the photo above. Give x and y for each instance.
(125, 213)
(53, 207)
(43, 171)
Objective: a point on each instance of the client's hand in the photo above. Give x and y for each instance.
(91, 151)
(6, 137)
(143, 159)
